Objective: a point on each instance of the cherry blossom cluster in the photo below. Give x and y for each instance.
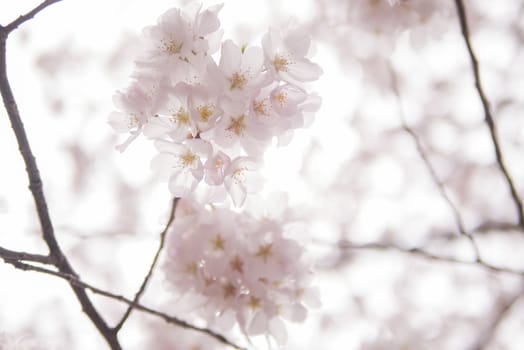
(212, 118)
(240, 269)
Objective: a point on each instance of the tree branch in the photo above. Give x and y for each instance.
(23, 18)
(151, 268)
(7, 254)
(488, 117)
(503, 311)
(419, 252)
(74, 280)
(440, 186)
(36, 187)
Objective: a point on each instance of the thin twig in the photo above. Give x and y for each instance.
(7, 254)
(503, 312)
(23, 18)
(419, 252)
(346, 245)
(440, 186)
(36, 187)
(151, 268)
(74, 280)
(488, 117)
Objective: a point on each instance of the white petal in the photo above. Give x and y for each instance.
(258, 324)
(252, 59)
(182, 183)
(118, 121)
(277, 329)
(230, 58)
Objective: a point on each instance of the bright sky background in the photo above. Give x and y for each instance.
(66, 64)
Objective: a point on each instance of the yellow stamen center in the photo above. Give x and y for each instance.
(237, 125)
(205, 112)
(237, 264)
(188, 158)
(280, 63)
(264, 251)
(171, 47)
(218, 242)
(238, 81)
(182, 116)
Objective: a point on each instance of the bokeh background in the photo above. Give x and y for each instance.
(397, 157)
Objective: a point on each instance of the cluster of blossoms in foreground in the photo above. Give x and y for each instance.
(211, 121)
(240, 268)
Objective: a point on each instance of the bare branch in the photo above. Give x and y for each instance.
(7, 254)
(23, 18)
(346, 245)
(488, 117)
(36, 187)
(151, 268)
(420, 149)
(501, 314)
(74, 280)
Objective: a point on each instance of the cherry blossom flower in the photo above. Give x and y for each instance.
(204, 107)
(178, 45)
(174, 119)
(137, 104)
(241, 178)
(182, 164)
(215, 168)
(238, 127)
(239, 72)
(285, 53)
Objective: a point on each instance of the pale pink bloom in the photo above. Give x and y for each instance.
(284, 108)
(169, 44)
(204, 107)
(206, 33)
(174, 118)
(137, 104)
(182, 164)
(178, 44)
(215, 167)
(239, 73)
(238, 127)
(241, 178)
(286, 55)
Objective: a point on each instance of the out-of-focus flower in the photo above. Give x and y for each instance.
(242, 266)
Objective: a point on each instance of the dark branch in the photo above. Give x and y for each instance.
(151, 268)
(7, 254)
(21, 19)
(74, 280)
(36, 188)
(488, 117)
